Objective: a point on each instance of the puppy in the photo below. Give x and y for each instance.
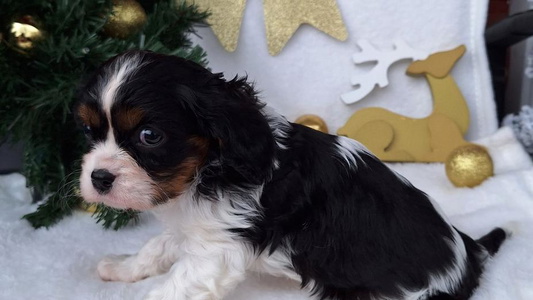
(241, 189)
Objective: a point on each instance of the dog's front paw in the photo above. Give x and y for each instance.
(117, 268)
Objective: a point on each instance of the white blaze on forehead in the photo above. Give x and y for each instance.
(119, 73)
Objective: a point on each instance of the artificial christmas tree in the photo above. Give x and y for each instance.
(46, 48)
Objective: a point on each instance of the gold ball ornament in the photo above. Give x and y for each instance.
(85, 206)
(127, 18)
(24, 33)
(313, 121)
(469, 165)
(88, 207)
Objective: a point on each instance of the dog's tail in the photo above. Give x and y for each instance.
(478, 252)
(493, 240)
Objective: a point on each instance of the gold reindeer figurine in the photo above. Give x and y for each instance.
(394, 137)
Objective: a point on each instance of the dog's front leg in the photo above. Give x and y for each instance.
(156, 257)
(202, 275)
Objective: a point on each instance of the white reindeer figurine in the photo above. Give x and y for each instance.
(364, 85)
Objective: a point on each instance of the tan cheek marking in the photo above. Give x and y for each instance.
(201, 144)
(129, 118)
(178, 183)
(89, 115)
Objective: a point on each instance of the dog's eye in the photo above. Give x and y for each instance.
(87, 130)
(150, 137)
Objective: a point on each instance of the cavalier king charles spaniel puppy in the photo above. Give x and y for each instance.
(239, 188)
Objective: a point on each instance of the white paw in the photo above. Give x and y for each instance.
(116, 268)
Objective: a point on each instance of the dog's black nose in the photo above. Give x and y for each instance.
(102, 180)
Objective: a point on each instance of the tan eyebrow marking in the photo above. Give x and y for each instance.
(88, 115)
(129, 118)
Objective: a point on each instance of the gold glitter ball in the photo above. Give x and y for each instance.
(25, 32)
(85, 206)
(88, 207)
(313, 121)
(127, 18)
(469, 166)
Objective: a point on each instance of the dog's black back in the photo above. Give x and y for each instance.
(358, 231)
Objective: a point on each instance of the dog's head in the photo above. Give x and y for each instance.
(157, 122)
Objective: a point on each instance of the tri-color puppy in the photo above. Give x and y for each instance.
(240, 189)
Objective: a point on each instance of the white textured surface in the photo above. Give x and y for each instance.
(60, 263)
(314, 69)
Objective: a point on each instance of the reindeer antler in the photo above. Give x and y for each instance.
(378, 75)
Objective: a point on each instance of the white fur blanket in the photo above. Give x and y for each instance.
(59, 263)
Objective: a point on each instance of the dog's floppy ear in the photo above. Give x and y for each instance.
(232, 118)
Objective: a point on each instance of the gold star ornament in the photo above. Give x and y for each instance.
(282, 19)
(225, 19)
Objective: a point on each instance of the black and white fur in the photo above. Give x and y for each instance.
(264, 194)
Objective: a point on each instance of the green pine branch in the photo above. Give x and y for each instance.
(38, 87)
